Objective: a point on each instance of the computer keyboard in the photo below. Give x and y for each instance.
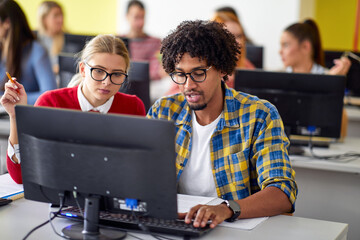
(130, 222)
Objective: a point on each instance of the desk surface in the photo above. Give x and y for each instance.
(19, 217)
(349, 145)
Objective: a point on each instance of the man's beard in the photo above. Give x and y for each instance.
(197, 107)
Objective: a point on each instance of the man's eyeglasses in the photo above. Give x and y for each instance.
(99, 74)
(197, 75)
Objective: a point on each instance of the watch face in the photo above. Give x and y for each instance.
(234, 206)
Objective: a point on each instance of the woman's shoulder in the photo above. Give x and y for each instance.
(57, 96)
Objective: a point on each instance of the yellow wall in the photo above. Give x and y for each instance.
(336, 21)
(81, 16)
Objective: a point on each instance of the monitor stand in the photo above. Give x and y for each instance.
(90, 229)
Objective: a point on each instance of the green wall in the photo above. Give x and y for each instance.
(81, 16)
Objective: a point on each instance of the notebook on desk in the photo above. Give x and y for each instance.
(9, 189)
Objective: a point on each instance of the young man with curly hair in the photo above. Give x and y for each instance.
(229, 144)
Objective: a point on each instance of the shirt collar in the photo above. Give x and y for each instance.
(86, 106)
(229, 116)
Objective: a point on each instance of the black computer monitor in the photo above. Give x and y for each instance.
(353, 76)
(138, 82)
(104, 158)
(75, 43)
(255, 55)
(309, 104)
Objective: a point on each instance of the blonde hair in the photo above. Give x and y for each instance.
(225, 16)
(107, 43)
(43, 10)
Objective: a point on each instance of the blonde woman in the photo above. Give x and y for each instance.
(103, 66)
(51, 29)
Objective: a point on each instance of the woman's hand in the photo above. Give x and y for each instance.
(342, 66)
(14, 94)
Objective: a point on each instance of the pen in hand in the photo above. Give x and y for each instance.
(10, 78)
(12, 81)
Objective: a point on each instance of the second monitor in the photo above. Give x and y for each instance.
(309, 104)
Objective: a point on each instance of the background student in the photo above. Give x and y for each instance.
(103, 66)
(51, 30)
(228, 144)
(301, 51)
(21, 55)
(142, 46)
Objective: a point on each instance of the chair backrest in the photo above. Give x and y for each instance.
(255, 55)
(67, 68)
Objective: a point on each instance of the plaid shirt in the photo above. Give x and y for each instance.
(248, 148)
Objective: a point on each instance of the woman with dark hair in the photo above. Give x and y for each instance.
(301, 51)
(21, 55)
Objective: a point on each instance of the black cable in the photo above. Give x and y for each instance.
(53, 227)
(47, 221)
(344, 157)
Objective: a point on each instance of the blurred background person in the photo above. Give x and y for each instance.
(51, 30)
(142, 46)
(231, 10)
(21, 54)
(301, 51)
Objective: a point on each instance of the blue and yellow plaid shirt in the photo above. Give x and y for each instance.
(248, 147)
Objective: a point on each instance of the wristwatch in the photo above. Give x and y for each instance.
(234, 207)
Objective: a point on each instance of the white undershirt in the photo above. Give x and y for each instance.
(197, 178)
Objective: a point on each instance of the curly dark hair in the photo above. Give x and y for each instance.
(207, 40)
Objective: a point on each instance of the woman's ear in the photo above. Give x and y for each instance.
(7, 24)
(306, 46)
(82, 69)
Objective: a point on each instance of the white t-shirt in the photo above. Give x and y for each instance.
(197, 178)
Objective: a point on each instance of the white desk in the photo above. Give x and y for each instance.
(19, 217)
(353, 129)
(330, 190)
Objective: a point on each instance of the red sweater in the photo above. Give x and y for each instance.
(67, 98)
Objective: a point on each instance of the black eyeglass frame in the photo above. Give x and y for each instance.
(107, 74)
(189, 73)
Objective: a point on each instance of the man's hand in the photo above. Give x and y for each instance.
(203, 213)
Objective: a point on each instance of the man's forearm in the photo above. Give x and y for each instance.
(267, 202)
